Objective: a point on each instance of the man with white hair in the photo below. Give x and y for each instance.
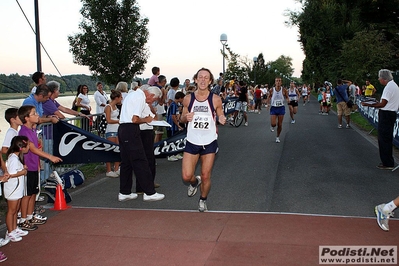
(388, 105)
(131, 145)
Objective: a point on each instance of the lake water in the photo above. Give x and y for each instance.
(5, 104)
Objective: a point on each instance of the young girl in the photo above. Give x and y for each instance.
(14, 187)
(111, 133)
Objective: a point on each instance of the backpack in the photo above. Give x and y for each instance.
(50, 190)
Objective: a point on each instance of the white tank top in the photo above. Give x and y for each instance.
(114, 116)
(202, 129)
(304, 91)
(292, 94)
(277, 98)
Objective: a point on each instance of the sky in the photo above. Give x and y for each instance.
(184, 35)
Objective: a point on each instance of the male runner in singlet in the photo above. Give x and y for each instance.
(277, 108)
(199, 111)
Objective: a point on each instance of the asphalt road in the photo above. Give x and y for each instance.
(316, 169)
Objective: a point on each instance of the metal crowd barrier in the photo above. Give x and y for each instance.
(45, 133)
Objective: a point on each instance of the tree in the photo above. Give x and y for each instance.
(112, 41)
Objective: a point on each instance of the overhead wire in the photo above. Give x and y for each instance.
(23, 12)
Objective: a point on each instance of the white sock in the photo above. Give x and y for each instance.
(389, 207)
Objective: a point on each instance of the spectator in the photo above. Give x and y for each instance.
(38, 78)
(111, 133)
(122, 87)
(342, 99)
(369, 89)
(154, 80)
(52, 107)
(388, 107)
(37, 99)
(84, 103)
(132, 149)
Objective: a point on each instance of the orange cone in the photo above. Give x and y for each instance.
(60, 203)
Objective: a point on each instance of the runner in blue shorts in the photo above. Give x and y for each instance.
(277, 109)
(199, 111)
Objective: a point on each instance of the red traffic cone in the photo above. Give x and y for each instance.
(60, 203)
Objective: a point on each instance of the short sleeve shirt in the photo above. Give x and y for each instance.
(32, 101)
(50, 107)
(31, 159)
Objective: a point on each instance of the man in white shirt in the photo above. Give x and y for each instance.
(388, 105)
(131, 145)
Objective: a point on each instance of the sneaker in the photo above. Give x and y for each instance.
(320, 113)
(39, 217)
(259, 112)
(382, 217)
(153, 197)
(4, 242)
(27, 226)
(202, 206)
(339, 126)
(383, 167)
(193, 190)
(123, 197)
(118, 172)
(272, 129)
(36, 221)
(246, 124)
(277, 140)
(3, 257)
(348, 126)
(13, 236)
(179, 156)
(293, 121)
(172, 158)
(111, 174)
(40, 198)
(21, 232)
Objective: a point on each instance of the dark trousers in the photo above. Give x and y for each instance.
(386, 122)
(147, 137)
(134, 160)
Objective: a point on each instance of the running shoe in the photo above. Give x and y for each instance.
(13, 236)
(339, 126)
(246, 124)
(3, 257)
(192, 190)
(382, 217)
(4, 242)
(202, 206)
(348, 126)
(36, 221)
(293, 121)
(39, 217)
(179, 156)
(27, 226)
(272, 129)
(154, 197)
(172, 158)
(111, 174)
(21, 232)
(277, 140)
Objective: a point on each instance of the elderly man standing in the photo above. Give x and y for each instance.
(388, 105)
(131, 145)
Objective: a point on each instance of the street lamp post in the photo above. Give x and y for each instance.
(255, 60)
(223, 40)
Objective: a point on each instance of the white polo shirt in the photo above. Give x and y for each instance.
(133, 104)
(391, 94)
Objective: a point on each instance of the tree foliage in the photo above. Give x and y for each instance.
(112, 41)
(347, 38)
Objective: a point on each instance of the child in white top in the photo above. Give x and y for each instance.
(14, 188)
